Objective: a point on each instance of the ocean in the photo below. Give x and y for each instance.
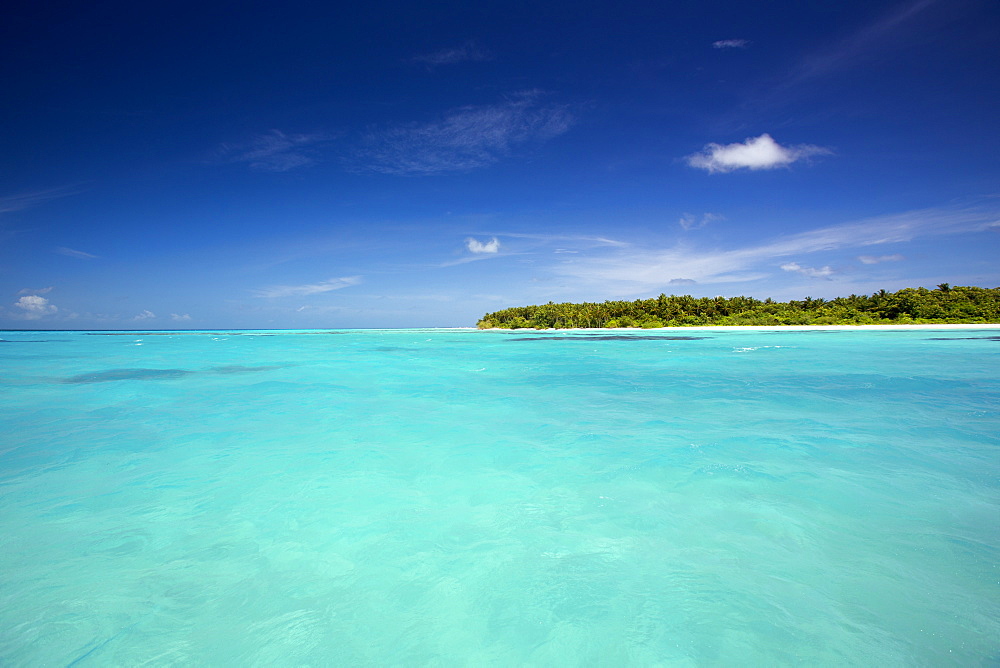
(685, 497)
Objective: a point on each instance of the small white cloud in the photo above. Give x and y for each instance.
(71, 252)
(310, 288)
(731, 44)
(34, 307)
(681, 281)
(691, 222)
(755, 153)
(180, 318)
(491, 246)
(145, 315)
(875, 259)
(32, 291)
(812, 272)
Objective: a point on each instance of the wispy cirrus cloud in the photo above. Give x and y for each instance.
(471, 51)
(72, 252)
(21, 201)
(579, 239)
(309, 288)
(463, 139)
(853, 48)
(36, 291)
(636, 269)
(144, 315)
(690, 221)
(731, 44)
(877, 259)
(754, 153)
(275, 151)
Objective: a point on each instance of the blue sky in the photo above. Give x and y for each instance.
(294, 165)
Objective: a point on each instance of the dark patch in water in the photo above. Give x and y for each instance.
(963, 338)
(239, 368)
(610, 337)
(126, 374)
(162, 333)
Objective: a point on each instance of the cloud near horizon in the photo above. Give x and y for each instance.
(811, 272)
(643, 269)
(754, 153)
(34, 307)
(309, 288)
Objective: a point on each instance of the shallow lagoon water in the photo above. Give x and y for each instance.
(454, 497)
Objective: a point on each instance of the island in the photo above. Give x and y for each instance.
(943, 305)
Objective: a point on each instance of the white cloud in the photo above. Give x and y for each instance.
(180, 318)
(34, 307)
(145, 315)
(681, 281)
(731, 44)
(464, 139)
(590, 241)
(70, 252)
(641, 269)
(310, 288)
(33, 291)
(275, 151)
(474, 246)
(812, 272)
(692, 222)
(875, 259)
(532, 243)
(468, 52)
(755, 153)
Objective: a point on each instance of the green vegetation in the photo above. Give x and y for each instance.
(946, 304)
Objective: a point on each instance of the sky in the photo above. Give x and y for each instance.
(172, 165)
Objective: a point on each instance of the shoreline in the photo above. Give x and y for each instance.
(769, 328)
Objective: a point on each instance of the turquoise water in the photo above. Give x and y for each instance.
(453, 497)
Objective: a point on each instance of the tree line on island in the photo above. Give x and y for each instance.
(946, 304)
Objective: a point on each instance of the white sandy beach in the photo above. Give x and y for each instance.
(764, 328)
(879, 327)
